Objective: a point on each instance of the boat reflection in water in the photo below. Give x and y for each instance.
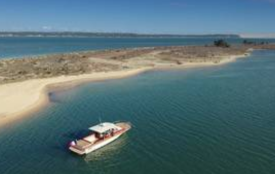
(109, 151)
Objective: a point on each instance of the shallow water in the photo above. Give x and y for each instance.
(207, 120)
(18, 47)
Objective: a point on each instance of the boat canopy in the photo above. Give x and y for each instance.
(104, 127)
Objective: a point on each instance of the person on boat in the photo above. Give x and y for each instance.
(112, 132)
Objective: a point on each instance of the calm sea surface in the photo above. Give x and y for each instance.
(17, 47)
(215, 120)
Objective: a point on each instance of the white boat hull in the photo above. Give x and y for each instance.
(102, 143)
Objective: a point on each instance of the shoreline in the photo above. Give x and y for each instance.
(19, 100)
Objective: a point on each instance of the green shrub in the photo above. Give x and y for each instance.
(221, 43)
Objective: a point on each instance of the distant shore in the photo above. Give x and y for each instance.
(110, 35)
(21, 98)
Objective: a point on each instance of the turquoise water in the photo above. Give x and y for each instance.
(17, 47)
(208, 120)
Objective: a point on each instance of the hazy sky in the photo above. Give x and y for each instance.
(140, 16)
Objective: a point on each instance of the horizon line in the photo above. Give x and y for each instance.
(115, 32)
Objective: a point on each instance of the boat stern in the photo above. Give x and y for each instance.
(77, 151)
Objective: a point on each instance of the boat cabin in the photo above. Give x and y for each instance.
(104, 130)
(99, 133)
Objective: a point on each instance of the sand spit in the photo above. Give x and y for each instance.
(27, 92)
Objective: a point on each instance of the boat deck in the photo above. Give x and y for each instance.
(82, 144)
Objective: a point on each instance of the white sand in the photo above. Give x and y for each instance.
(21, 98)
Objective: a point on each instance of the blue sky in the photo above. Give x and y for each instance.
(139, 16)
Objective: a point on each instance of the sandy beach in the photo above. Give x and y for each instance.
(20, 99)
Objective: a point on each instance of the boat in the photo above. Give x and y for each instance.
(99, 136)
